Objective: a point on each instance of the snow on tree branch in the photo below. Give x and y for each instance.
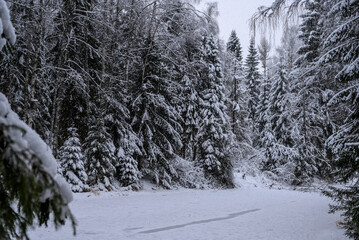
(7, 31)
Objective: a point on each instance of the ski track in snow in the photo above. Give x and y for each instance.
(238, 214)
(233, 215)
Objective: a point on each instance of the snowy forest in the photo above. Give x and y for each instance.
(112, 93)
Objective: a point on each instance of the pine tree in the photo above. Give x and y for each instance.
(236, 99)
(342, 46)
(264, 49)
(76, 58)
(253, 82)
(277, 133)
(191, 119)
(309, 32)
(289, 46)
(30, 190)
(128, 169)
(234, 47)
(213, 134)
(308, 110)
(156, 120)
(24, 72)
(72, 162)
(127, 144)
(115, 88)
(100, 156)
(280, 106)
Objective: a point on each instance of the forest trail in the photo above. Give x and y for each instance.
(244, 213)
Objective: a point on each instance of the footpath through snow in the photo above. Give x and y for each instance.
(248, 214)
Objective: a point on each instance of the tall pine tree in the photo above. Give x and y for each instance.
(253, 84)
(308, 110)
(342, 45)
(100, 156)
(236, 99)
(213, 132)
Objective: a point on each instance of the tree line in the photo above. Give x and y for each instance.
(122, 90)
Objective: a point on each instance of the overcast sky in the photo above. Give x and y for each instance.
(235, 15)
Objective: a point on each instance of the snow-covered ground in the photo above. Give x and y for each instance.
(243, 213)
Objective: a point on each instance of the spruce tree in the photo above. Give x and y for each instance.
(24, 73)
(76, 59)
(115, 43)
(342, 46)
(71, 160)
(155, 117)
(263, 49)
(129, 175)
(213, 133)
(309, 32)
(234, 47)
(253, 82)
(277, 133)
(100, 156)
(191, 118)
(30, 190)
(279, 100)
(236, 98)
(126, 142)
(308, 111)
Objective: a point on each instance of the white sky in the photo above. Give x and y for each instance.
(235, 15)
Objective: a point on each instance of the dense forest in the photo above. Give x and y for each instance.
(125, 90)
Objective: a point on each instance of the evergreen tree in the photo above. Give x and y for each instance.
(308, 127)
(309, 32)
(264, 49)
(253, 82)
(277, 134)
(234, 47)
(213, 134)
(100, 154)
(128, 168)
(30, 190)
(308, 110)
(263, 107)
(114, 87)
(127, 144)
(7, 30)
(280, 106)
(155, 119)
(191, 119)
(236, 99)
(289, 46)
(24, 73)
(77, 62)
(71, 161)
(342, 46)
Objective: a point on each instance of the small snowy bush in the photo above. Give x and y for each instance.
(189, 175)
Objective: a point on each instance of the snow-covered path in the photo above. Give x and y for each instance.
(248, 214)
